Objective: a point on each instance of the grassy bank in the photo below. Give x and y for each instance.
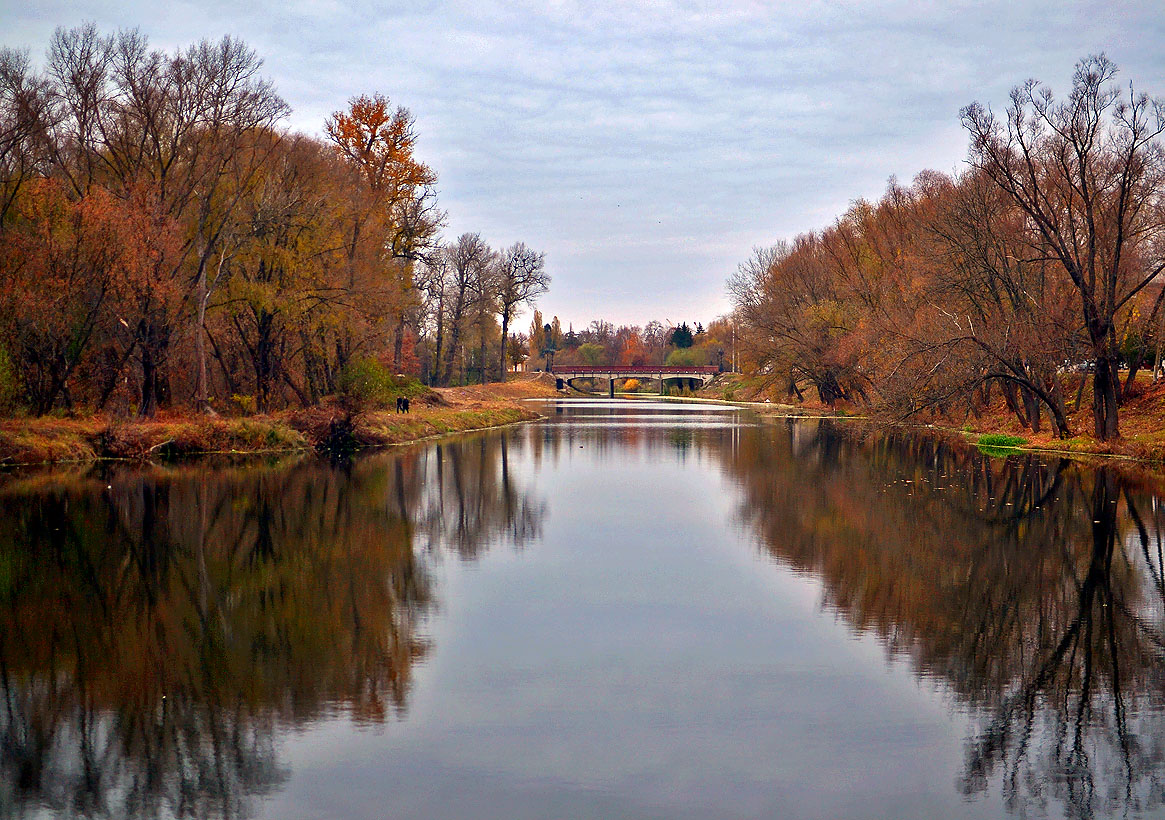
(437, 412)
(1142, 421)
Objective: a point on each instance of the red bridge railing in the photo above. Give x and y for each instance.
(631, 370)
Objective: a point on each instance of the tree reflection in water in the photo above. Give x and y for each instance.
(157, 637)
(160, 628)
(1033, 591)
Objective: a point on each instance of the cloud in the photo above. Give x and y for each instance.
(647, 146)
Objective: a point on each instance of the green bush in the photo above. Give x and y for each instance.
(1001, 440)
(999, 445)
(369, 382)
(591, 354)
(687, 357)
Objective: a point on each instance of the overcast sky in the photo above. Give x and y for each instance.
(646, 147)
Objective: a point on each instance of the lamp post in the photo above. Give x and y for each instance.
(734, 344)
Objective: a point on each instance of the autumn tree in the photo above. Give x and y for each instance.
(632, 351)
(1000, 313)
(156, 221)
(395, 221)
(1087, 172)
(796, 319)
(518, 350)
(283, 277)
(181, 127)
(67, 276)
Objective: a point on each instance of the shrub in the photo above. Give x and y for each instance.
(246, 404)
(999, 445)
(631, 385)
(367, 381)
(1001, 440)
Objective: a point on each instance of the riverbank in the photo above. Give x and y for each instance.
(440, 411)
(1142, 421)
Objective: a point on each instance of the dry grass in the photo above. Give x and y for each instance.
(1142, 419)
(25, 441)
(1142, 423)
(521, 386)
(449, 410)
(379, 429)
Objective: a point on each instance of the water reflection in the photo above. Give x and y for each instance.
(160, 629)
(1033, 592)
(164, 633)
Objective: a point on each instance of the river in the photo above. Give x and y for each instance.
(630, 610)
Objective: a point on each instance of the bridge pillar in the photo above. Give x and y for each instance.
(611, 387)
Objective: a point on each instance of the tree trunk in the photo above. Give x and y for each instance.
(1115, 366)
(1059, 422)
(1011, 399)
(435, 378)
(1157, 350)
(115, 373)
(1079, 393)
(153, 342)
(1031, 406)
(262, 361)
(398, 344)
(1105, 399)
(828, 388)
(505, 339)
(454, 340)
(148, 407)
(1134, 366)
(481, 348)
(228, 377)
(202, 399)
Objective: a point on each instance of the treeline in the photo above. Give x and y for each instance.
(1033, 273)
(602, 343)
(164, 240)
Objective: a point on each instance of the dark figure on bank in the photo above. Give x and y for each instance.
(402, 404)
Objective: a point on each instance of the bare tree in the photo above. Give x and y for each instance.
(431, 280)
(1086, 172)
(469, 261)
(24, 113)
(522, 278)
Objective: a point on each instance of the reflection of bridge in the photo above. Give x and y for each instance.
(565, 374)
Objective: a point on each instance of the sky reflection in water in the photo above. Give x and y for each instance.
(630, 610)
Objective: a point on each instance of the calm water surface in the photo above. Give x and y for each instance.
(632, 610)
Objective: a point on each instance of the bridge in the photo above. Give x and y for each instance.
(564, 374)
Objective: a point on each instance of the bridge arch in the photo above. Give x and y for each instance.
(566, 374)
